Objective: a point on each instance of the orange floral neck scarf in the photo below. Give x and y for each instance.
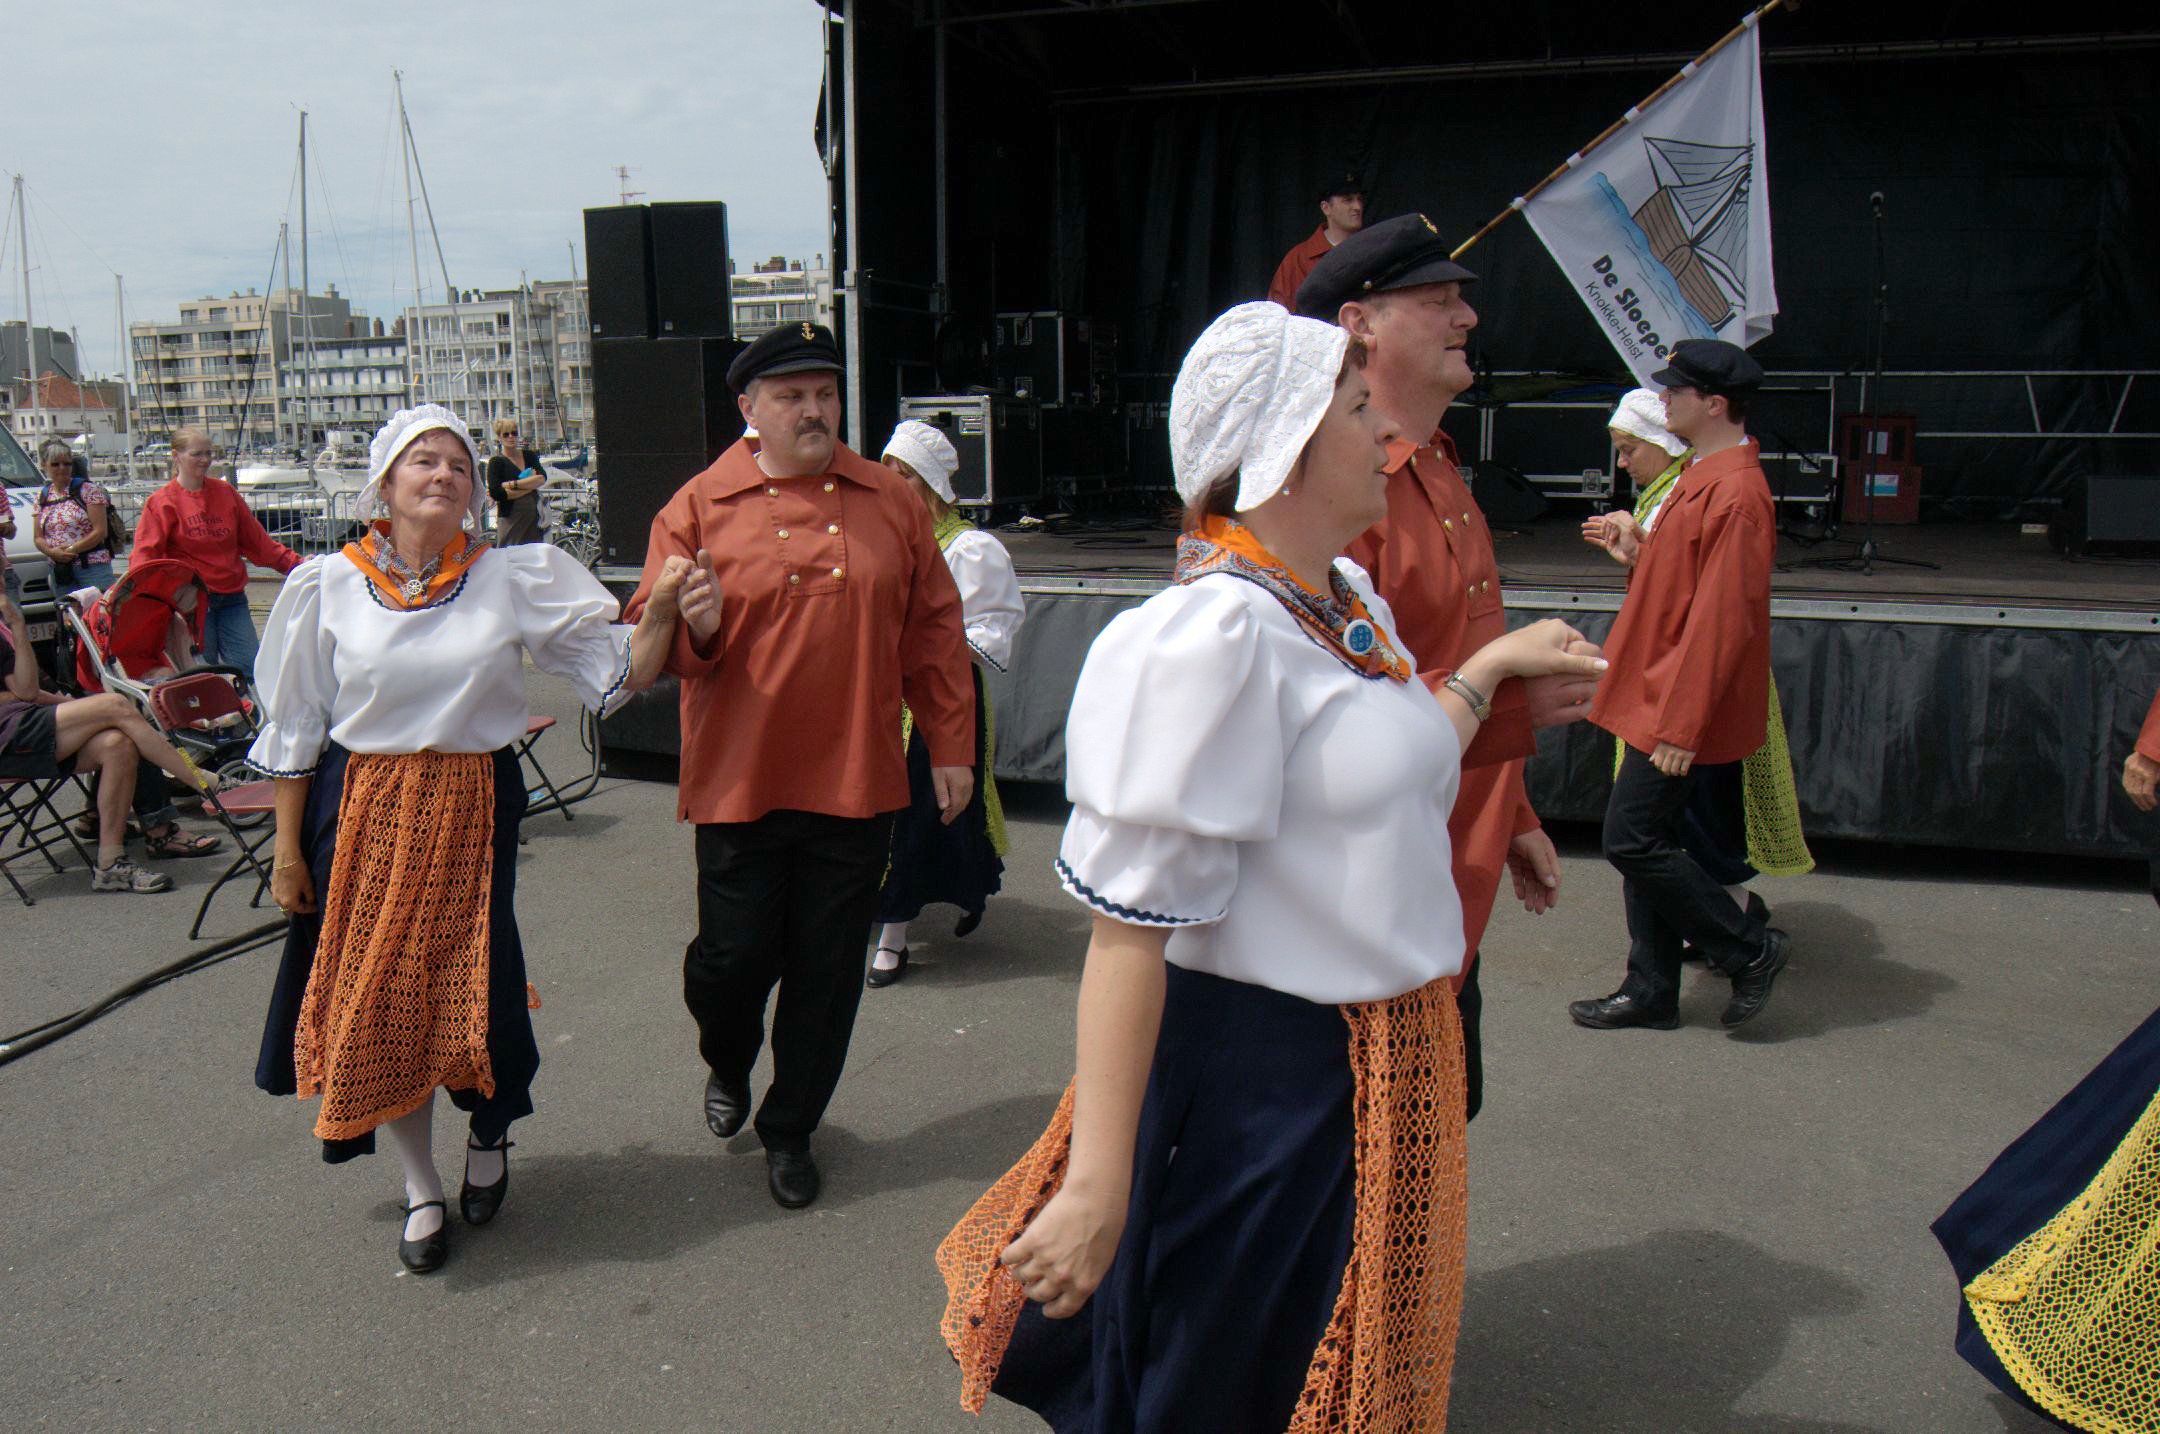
(399, 586)
(1338, 619)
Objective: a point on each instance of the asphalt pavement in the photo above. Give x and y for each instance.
(1676, 1231)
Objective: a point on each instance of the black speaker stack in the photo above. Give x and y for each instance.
(662, 341)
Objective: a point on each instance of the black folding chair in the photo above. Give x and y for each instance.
(31, 823)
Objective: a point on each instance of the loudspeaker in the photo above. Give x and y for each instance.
(1504, 496)
(690, 271)
(2110, 511)
(662, 412)
(634, 487)
(618, 261)
(664, 396)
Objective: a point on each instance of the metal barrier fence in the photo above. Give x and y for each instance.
(311, 518)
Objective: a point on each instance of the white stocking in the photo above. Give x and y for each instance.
(413, 1138)
(892, 940)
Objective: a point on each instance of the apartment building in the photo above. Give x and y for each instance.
(780, 291)
(570, 357)
(217, 367)
(352, 383)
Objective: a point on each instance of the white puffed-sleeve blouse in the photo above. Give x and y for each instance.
(990, 604)
(1285, 815)
(339, 663)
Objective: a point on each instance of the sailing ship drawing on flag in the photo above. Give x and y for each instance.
(1697, 221)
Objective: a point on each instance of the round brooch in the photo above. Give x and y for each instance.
(1360, 637)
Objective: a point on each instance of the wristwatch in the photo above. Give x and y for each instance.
(1480, 704)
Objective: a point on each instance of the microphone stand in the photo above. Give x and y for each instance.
(1870, 552)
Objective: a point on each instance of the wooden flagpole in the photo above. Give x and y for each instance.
(1621, 123)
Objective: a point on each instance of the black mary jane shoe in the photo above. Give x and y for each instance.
(878, 980)
(966, 925)
(793, 1176)
(426, 1254)
(478, 1203)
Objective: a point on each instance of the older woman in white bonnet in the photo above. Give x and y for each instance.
(392, 685)
(1653, 457)
(955, 858)
(1260, 792)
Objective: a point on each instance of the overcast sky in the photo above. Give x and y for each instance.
(158, 140)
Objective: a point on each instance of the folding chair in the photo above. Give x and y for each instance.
(30, 821)
(535, 728)
(244, 806)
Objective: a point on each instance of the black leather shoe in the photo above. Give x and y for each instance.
(793, 1176)
(878, 980)
(478, 1203)
(727, 1105)
(426, 1254)
(1751, 983)
(1619, 1011)
(966, 925)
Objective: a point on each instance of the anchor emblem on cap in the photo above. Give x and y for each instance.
(810, 332)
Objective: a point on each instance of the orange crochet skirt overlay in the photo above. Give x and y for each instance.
(1386, 1358)
(396, 1002)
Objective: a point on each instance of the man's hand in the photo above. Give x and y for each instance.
(2140, 773)
(1558, 700)
(698, 599)
(1536, 868)
(954, 787)
(664, 604)
(1672, 761)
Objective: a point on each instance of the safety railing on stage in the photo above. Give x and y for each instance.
(2092, 390)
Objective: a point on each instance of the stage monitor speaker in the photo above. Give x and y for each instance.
(664, 396)
(1504, 496)
(633, 488)
(2111, 513)
(690, 271)
(998, 440)
(618, 261)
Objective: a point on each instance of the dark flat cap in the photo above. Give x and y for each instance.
(1711, 365)
(792, 348)
(1348, 184)
(1397, 253)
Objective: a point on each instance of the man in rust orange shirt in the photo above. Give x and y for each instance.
(1395, 289)
(1342, 214)
(1689, 687)
(834, 605)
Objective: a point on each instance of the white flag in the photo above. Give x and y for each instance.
(1664, 229)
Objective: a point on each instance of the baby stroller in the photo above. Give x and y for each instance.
(136, 639)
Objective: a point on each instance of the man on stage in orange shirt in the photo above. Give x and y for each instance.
(1342, 214)
(1395, 289)
(834, 605)
(1689, 687)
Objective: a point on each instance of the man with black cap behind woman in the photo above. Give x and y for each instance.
(834, 606)
(1394, 287)
(1689, 687)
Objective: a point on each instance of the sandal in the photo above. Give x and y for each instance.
(173, 841)
(125, 875)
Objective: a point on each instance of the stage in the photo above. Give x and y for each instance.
(1985, 704)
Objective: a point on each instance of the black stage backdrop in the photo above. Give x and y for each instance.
(2021, 195)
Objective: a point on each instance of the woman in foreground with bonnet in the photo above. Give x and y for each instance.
(392, 685)
(1260, 793)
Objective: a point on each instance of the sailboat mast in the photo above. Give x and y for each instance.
(414, 351)
(127, 381)
(277, 380)
(307, 358)
(22, 245)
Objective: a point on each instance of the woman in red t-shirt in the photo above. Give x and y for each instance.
(204, 522)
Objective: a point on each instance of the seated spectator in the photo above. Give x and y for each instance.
(45, 735)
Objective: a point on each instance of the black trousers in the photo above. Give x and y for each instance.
(1669, 897)
(784, 900)
(1470, 1004)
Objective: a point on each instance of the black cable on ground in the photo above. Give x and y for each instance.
(14, 1048)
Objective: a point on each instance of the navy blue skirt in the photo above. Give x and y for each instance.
(934, 860)
(512, 1052)
(2042, 1171)
(1237, 1235)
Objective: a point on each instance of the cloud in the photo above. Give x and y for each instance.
(160, 140)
